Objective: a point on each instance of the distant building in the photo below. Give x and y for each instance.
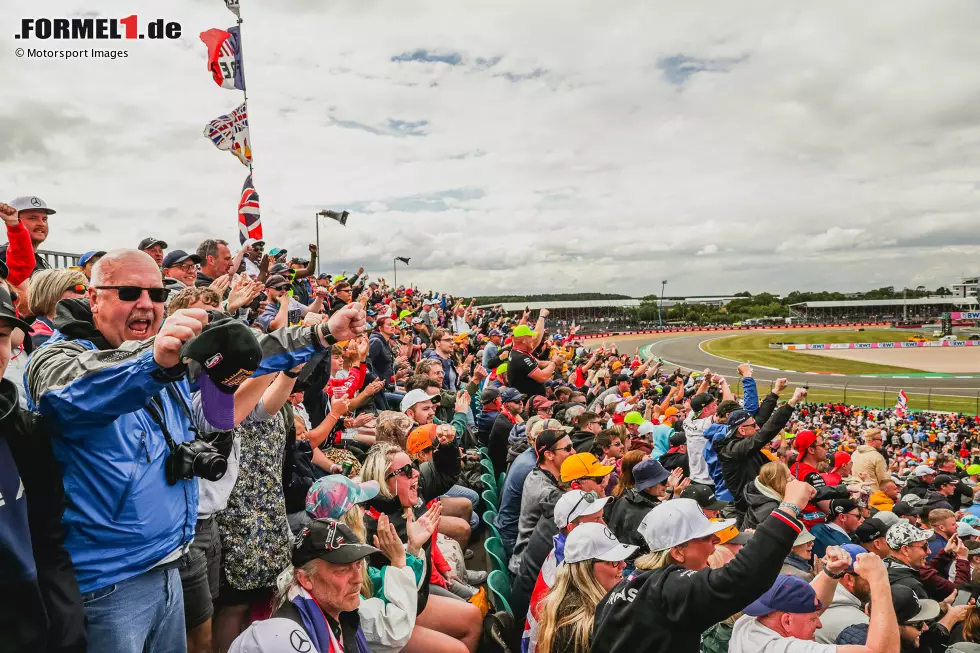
(883, 310)
(966, 288)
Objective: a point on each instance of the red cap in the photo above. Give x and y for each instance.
(540, 402)
(804, 440)
(841, 458)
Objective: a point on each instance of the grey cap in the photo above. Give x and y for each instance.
(272, 636)
(30, 203)
(903, 533)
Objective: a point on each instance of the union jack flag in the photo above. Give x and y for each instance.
(230, 133)
(249, 222)
(902, 407)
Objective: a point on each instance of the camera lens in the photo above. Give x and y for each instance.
(210, 465)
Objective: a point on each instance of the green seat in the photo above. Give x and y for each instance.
(487, 465)
(500, 483)
(484, 452)
(499, 586)
(498, 557)
(489, 482)
(488, 517)
(490, 498)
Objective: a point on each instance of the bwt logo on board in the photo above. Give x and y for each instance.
(96, 28)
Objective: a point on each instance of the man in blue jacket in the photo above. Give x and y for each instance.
(111, 383)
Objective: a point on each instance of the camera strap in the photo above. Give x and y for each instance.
(156, 411)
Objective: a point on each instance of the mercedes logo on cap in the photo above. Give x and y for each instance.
(35, 201)
(300, 642)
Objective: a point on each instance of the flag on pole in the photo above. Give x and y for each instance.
(234, 7)
(339, 216)
(902, 407)
(225, 57)
(249, 223)
(403, 259)
(230, 133)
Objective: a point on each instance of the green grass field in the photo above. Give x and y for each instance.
(754, 347)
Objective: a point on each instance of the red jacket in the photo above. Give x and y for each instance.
(20, 254)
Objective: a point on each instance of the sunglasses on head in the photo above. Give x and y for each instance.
(588, 497)
(133, 293)
(405, 470)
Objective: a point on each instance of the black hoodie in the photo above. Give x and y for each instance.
(379, 505)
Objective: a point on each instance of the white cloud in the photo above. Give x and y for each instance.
(507, 150)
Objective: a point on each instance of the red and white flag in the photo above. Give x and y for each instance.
(902, 407)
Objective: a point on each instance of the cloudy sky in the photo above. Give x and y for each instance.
(514, 147)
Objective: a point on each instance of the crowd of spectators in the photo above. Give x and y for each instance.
(224, 450)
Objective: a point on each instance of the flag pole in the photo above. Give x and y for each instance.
(244, 87)
(394, 268)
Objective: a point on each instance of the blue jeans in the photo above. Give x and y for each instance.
(460, 492)
(145, 613)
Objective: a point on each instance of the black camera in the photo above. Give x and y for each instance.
(195, 458)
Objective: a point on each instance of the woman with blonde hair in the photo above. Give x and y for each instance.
(764, 494)
(46, 289)
(594, 562)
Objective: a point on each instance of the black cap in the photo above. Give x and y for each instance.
(489, 395)
(944, 479)
(146, 243)
(276, 282)
(279, 268)
(623, 378)
(678, 438)
(178, 256)
(546, 440)
(9, 314)
(727, 407)
(903, 509)
(910, 609)
(701, 401)
(328, 539)
(869, 531)
(705, 497)
(840, 506)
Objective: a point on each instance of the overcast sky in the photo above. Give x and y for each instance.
(520, 147)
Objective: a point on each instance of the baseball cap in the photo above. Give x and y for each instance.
(841, 458)
(331, 496)
(523, 330)
(675, 522)
(279, 268)
(854, 550)
(489, 395)
(501, 369)
(732, 535)
(903, 509)
(276, 282)
(677, 438)
(421, 438)
(88, 256)
(546, 440)
(923, 470)
(276, 251)
(671, 412)
(541, 402)
(228, 353)
(973, 470)
(841, 506)
(150, 242)
(646, 428)
(804, 537)
(174, 257)
(648, 473)
(9, 313)
(737, 418)
(913, 500)
(622, 408)
(595, 542)
(910, 609)
(804, 440)
(700, 402)
(611, 399)
(633, 417)
(270, 636)
(965, 530)
(582, 465)
(904, 533)
(510, 394)
(577, 503)
(495, 332)
(705, 496)
(887, 518)
(328, 539)
(788, 594)
(31, 203)
(944, 479)
(869, 531)
(416, 396)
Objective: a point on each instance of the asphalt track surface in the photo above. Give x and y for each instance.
(682, 350)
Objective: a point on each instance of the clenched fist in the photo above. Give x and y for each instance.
(177, 329)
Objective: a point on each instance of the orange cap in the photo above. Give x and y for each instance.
(421, 438)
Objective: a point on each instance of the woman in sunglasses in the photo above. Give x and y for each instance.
(443, 623)
(47, 288)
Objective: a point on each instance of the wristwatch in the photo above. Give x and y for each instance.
(322, 333)
(792, 506)
(836, 576)
(291, 374)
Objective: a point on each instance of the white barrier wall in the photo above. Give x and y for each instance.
(885, 345)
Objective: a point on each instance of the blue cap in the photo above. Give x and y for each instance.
(788, 594)
(737, 417)
(87, 256)
(855, 550)
(510, 394)
(648, 473)
(495, 332)
(178, 256)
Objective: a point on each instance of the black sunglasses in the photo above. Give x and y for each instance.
(133, 293)
(405, 470)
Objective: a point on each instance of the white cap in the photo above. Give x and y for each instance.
(595, 542)
(272, 635)
(924, 470)
(571, 505)
(623, 408)
(611, 399)
(965, 530)
(804, 537)
(677, 521)
(416, 396)
(30, 203)
(646, 428)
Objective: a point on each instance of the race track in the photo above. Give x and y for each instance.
(684, 351)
